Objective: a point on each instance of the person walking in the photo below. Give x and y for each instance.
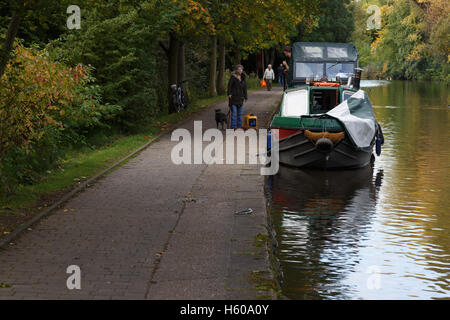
(280, 70)
(269, 76)
(237, 93)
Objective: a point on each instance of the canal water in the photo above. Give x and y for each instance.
(381, 232)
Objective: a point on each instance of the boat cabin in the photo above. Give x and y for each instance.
(316, 98)
(316, 61)
(322, 76)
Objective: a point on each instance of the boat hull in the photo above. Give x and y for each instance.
(298, 151)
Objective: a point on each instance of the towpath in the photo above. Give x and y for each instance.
(152, 230)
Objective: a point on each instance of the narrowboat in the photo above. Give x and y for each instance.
(325, 120)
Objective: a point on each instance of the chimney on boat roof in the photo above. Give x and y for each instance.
(356, 80)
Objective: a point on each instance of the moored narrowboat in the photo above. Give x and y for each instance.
(325, 120)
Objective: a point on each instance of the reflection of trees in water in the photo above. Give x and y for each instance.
(320, 218)
(414, 116)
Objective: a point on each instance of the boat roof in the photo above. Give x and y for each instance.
(316, 86)
(324, 52)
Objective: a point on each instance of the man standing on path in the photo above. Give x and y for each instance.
(269, 76)
(287, 53)
(237, 93)
(280, 70)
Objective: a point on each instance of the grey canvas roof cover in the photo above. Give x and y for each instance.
(356, 114)
(324, 51)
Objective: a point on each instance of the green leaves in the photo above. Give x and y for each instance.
(411, 43)
(121, 40)
(335, 23)
(43, 104)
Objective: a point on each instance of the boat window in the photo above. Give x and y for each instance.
(295, 103)
(334, 52)
(323, 101)
(308, 70)
(346, 95)
(312, 52)
(342, 70)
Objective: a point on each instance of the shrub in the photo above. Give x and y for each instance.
(43, 105)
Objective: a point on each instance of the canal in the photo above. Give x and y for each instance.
(381, 232)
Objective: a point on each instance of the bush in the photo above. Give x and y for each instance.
(43, 106)
(253, 82)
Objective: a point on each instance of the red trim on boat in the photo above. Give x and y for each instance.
(326, 84)
(284, 133)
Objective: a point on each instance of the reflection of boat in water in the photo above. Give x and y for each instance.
(291, 186)
(325, 120)
(327, 196)
(320, 219)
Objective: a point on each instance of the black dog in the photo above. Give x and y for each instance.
(220, 118)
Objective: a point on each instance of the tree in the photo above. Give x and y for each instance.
(401, 42)
(121, 42)
(193, 21)
(9, 40)
(412, 43)
(335, 23)
(213, 67)
(221, 67)
(33, 20)
(246, 27)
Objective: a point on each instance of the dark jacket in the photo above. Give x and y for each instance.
(237, 89)
(280, 71)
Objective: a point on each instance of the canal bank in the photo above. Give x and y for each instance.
(154, 230)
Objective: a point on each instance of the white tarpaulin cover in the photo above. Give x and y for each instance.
(295, 103)
(356, 114)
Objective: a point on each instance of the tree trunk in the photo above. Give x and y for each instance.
(9, 42)
(263, 66)
(266, 58)
(213, 67)
(258, 63)
(181, 74)
(221, 76)
(172, 55)
(237, 54)
(272, 56)
(174, 46)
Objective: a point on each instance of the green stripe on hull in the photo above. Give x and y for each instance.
(285, 122)
(315, 124)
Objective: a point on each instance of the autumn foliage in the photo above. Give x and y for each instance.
(43, 103)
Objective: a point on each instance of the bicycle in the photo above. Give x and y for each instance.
(179, 97)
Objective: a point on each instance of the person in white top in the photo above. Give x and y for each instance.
(269, 76)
